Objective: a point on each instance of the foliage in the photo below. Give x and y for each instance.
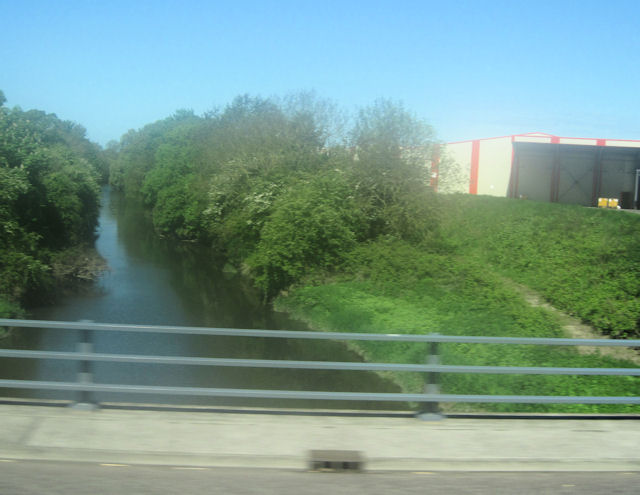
(311, 227)
(135, 154)
(271, 185)
(390, 286)
(389, 172)
(9, 310)
(584, 261)
(49, 196)
(450, 176)
(563, 251)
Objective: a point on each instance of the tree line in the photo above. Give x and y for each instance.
(49, 200)
(283, 188)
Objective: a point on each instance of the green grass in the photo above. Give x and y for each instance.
(393, 287)
(584, 261)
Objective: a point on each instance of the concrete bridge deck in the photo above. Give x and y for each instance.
(246, 439)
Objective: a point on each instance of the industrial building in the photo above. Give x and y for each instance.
(544, 167)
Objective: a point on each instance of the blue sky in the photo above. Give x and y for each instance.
(469, 68)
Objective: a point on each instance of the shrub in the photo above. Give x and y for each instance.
(313, 226)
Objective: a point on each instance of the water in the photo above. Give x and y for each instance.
(160, 282)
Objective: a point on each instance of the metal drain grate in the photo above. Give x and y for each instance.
(336, 460)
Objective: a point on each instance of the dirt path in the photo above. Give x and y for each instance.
(575, 328)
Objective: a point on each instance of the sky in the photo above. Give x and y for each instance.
(471, 69)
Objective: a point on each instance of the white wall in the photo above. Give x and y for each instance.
(494, 167)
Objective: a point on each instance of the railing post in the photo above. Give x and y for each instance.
(85, 374)
(430, 410)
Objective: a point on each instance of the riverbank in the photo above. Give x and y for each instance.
(76, 268)
(153, 281)
(583, 261)
(403, 290)
(71, 271)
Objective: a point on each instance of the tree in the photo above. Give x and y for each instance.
(137, 151)
(312, 226)
(276, 185)
(49, 196)
(390, 171)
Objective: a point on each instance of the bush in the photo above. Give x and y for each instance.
(312, 226)
(583, 260)
(49, 196)
(10, 310)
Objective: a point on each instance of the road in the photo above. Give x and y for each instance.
(69, 478)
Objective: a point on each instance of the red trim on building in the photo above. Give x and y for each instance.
(606, 139)
(543, 135)
(555, 140)
(601, 142)
(480, 139)
(475, 163)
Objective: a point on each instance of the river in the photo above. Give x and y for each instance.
(161, 282)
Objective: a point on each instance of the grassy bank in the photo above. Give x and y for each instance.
(390, 286)
(582, 260)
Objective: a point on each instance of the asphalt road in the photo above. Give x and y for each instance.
(69, 478)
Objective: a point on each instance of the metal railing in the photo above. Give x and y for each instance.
(428, 400)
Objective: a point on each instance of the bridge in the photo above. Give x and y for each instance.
(206, 436)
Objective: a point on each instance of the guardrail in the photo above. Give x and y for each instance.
(428, 400)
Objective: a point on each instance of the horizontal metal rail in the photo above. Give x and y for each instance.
(289, 334)
(314, 395)
(85, 356)
(315, 365)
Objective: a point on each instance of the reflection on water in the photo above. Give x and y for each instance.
(159, 282)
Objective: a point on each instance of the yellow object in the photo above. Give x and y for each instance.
(607, 202)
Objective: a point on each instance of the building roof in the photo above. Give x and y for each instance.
(542, 137)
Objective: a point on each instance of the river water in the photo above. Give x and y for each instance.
(161, 282)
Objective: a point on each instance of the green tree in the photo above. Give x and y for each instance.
(136, 156)
(390, 173)
(255, 150)
(49, 196)
(312, 226)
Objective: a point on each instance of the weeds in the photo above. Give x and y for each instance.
(390, 286)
